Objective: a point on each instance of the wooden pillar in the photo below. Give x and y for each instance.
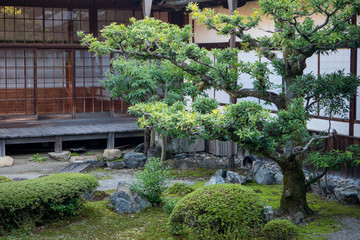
(58, 144)
(353, 70)
(2, 147)
(111, 141)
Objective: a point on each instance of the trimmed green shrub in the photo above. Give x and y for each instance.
(219, 211)
(5, 179)
(280, 229)
(180, 188)
(169, 205)
(42, 198)
(150, 183)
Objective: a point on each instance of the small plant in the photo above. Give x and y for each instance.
(169, 205)
(74, 154)
(280, 229)
(180, 188)
(38, 158)
(67, 208)
(90, 153)
(150, 183)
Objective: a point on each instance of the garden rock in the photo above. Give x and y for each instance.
(154, 151)
(112, 154)
(134, 160)
(233, 177)
(268, 213)
(279, 178)
(116, 164)
(215, 180)
(220, 173)
(140, 148)
(256, 166)
(62, 157)
(6, 161)
(83, 158)
(347, 195)
(125, 200)
(264, 176)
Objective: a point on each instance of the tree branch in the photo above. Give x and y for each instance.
(263, 95)
(300, 149)
(316, 178)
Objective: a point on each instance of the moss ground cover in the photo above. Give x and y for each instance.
(96, 220)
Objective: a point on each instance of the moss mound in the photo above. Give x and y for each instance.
(42, 198)
(219, 211)
(180, 188)
(280, 229)
(5, 179)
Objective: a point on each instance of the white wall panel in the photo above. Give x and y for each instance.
(357, 130)
(323, 125)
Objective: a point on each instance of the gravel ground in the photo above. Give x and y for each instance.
(350, 230)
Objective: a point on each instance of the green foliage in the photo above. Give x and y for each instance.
(41, 198)
(74, 154)
(169, 205)
(37, 158)
(219, 211)
(330, 90)
(150, 183)
(280, 229)
(204, 105)
(335, 159)
(5, 179)
(180, 188)
(70, 207)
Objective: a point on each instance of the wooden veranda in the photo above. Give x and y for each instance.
(59, 130)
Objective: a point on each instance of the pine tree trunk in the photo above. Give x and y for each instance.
(152, 137)
(293, 199)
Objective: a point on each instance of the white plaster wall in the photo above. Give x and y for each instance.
(323, 125)
(357, 130)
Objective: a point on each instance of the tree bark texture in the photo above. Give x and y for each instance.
(293, 199)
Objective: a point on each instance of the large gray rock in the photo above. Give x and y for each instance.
(116, 164)
(264, 176)
(62, 157)
(279, 178)
(347, 195)
(215, 180)
(233, 177)
(154, 151)
(268, 213)
(125, 200)
(140, 148)
(256, 166)
(134, 160)
(6, 161)
(112, 154)
(220, 173)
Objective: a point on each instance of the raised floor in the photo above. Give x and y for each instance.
(59, 130)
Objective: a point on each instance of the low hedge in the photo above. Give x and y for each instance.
(5, 179)
(42, 198)
(219, 211)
